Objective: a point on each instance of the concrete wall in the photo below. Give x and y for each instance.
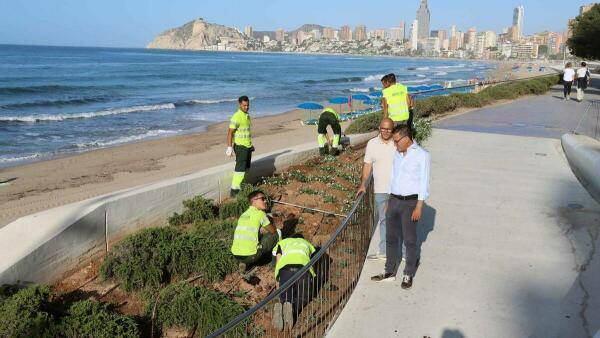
(583, 153)
(43, 247)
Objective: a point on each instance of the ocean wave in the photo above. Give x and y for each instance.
(417, 81)
(373, 78)
(421, 75)
(19, 158)
(35, 89)
(335, 80)
(126, 139)
(422, 68)
(360, 90)
(50, 103)
(440, 74)
(462, 65)
(107, 112)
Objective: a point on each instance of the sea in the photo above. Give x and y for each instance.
(56, 101)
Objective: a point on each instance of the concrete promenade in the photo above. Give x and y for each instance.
(509, 239)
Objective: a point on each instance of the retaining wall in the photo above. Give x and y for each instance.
(583, 154)
(44, 247)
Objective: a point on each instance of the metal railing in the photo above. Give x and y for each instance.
(337, 265)
(589, 124)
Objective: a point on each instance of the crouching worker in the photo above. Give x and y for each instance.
(292, 254)
(254, 236)
(329, 117)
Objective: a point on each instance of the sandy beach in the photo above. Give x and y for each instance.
(43, 185)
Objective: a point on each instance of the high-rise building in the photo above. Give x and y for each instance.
(329, 33)
(461, 39)
(518, 15)
(315, 34)
(442, 35)
(248, 31)
(513, 34)
(453, 45)
(414, 35)
(453, 31)
(280, 35)
(360, 33)
(423, 17)
(395, 33)
(585, 8)
(445, 44)
(345, 33)
(402, 30)
(471, 38)
(555, 40)
(434, 34)
(378, 34)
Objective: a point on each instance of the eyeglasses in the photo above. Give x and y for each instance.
(263, 198)
(386, 129)
(396, 142)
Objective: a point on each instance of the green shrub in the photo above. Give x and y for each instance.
(141, 260)
(422, 130)
(201, 253)
(190, 307)
(471, 100)
(91, 319)
(365, 123)
(196, 209)
(27, 313)
(232, 209)
(221, 229)
(436, 105)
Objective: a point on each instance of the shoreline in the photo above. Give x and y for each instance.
(69, 178)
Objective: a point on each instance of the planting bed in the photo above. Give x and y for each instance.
(181, 280)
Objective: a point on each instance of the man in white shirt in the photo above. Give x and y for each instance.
(379, 157)
(583, 80)
(409, 188)
(568, 77)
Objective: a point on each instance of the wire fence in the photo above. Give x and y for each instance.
(316, 301)
(589, 124)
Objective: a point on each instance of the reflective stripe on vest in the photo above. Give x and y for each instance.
(294, 251)
(241, 122)
(331, 110)
(395, 97)
(245, 236)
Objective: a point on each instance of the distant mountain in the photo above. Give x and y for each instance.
(308, 28)
(195, 34)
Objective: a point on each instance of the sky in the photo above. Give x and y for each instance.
(134, 23)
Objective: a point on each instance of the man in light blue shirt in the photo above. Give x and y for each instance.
(409, 188)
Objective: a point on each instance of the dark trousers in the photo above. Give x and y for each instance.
(400, 227)
(299, 294)
(264, 250)
(567, 87)
(243, 157)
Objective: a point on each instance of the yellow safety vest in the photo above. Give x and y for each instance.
(331, 110)
(294, 251)
(395, 97)
(240, 121)
(245, 236)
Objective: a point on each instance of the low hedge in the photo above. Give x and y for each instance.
(194, 307)
(27, 313)
(436, 105)
(91, 319)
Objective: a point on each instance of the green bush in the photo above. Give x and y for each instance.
(196, 209)
(91, 319)
(190, 307)
(220, 229)
(27, 313)
(365, 123)
(436, 105)
(141, 260)
(422, 130)
(471, 100)
(201, 253)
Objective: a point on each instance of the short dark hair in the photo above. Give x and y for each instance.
(391, 77)
(243, 98)
(403, 130)
(584, 64)
(255, 193)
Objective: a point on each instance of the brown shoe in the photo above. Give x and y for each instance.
(407, 282)
(388, 276)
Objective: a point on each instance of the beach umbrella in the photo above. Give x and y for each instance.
(376, 94)
(360, 97)
(310, 106)
(339, 101)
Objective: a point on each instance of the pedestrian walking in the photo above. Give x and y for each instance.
(568, 78)
(379, 158)
(409, 188)
(583, 80)
(329, 117)
(239, 141)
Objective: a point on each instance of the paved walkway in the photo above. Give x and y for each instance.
(509, 238)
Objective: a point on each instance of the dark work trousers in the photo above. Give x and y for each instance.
(299, 294)
(567, 87)
(243, 157)
(401, 227)
(267, 243)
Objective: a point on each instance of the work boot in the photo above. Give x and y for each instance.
(288, 315)
(334, 152)
(278, 316)
(323, 151)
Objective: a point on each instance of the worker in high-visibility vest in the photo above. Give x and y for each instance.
(329, 117)
(239, 141)
(396, 102)
(254, 236)
(292, 254)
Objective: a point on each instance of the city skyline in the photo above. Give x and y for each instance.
(84, 24)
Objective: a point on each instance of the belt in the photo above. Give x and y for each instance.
(405, 198)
